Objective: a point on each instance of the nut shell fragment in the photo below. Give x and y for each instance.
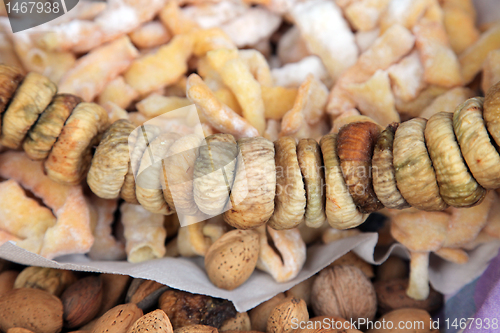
(477, 149)
(214, 171)
(457, 187)
(290, 200)
(70, 158)
(42, 136)
(31, 98)
(412, 162)
(355, 143)
(341, 211)
(254, 187)
(310, 163)
(384, 178)
(110, 163)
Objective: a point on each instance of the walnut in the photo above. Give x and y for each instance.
(52, 280)
(186, 309)
(345, 292)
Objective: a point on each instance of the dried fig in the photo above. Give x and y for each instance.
(310, 163)
(355, 143)
(254, 187)
(110, 163)
(412, 161)
(178, 168)
(10, 77)
(391, 295)
(491, 112)
(340, 208)
(384, 177)
(148, 181)
(457, 187)
(214, 172)
(70, 157)
(186, 309)
(290, 200)
(477, 149)
(31, 98)
(44, 133)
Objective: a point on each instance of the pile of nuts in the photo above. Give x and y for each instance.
(344, 297)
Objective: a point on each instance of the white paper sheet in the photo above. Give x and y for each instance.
(188, 273)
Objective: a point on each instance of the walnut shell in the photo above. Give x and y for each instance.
(355, 143)
(457, 187)
(30, 100)
(44, 133)
(52, 280)
(351, 259)
(110, 163)
(283, 316)
(254, 187)
(345, 292)
(290, 200)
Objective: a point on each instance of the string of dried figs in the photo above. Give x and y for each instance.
(358, 171)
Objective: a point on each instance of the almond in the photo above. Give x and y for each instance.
(32, 309)
(232, 258)
(156, 321)
(118, 320)
(196, 329)
(145, 293)
(7, 280)
(241, 322)
(289, 311)
(18, 330)
(114, 287)
(81, 301)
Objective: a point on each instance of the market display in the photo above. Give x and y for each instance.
(312, 115)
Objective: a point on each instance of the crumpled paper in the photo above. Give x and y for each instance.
(189, 274)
